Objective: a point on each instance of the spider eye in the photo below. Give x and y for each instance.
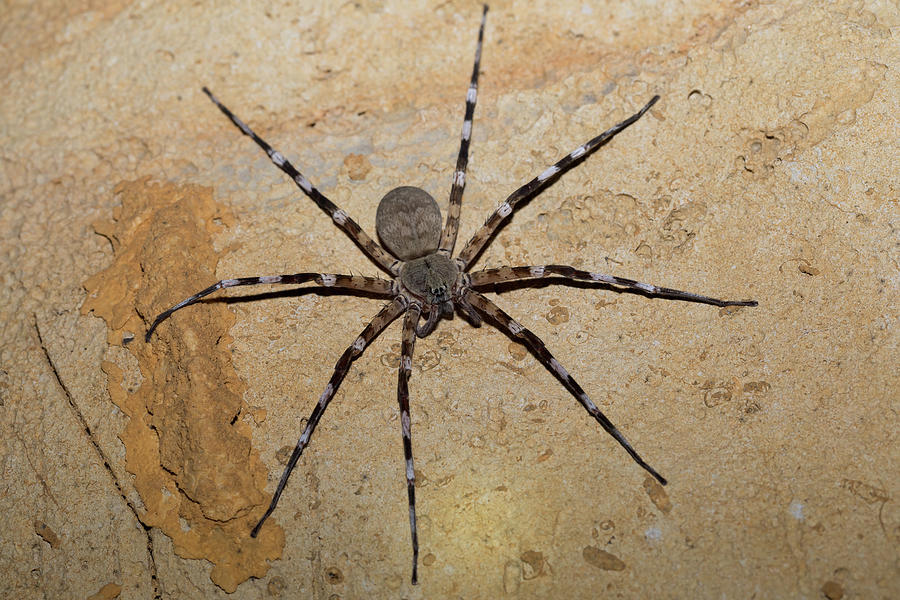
(438, 294)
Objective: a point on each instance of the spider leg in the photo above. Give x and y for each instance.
(403, 374)
(471, 315)
(448, 236)
(384, 318)
(534, 343)
(350, 282)
(475, 245)
(507, 274)
(350, 227)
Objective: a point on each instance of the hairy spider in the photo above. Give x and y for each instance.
(427, 280)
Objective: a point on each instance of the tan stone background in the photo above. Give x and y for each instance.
(768, 170)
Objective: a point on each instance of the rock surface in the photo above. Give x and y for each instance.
(766, 171)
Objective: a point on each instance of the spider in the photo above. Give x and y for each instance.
(428, 283)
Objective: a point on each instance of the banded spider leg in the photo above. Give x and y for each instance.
(494, 222)
(375, 252)
(507, 324)
(448, 236)
(373, 285)
(403, 374)
(385, 317)
(511, 274)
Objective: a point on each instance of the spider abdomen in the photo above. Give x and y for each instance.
(408, 222)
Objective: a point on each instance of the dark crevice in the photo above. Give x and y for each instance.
(76, 411)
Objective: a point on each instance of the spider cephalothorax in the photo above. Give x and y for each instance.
(426, 279)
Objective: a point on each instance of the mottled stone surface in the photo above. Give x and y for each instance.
(768, 170)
